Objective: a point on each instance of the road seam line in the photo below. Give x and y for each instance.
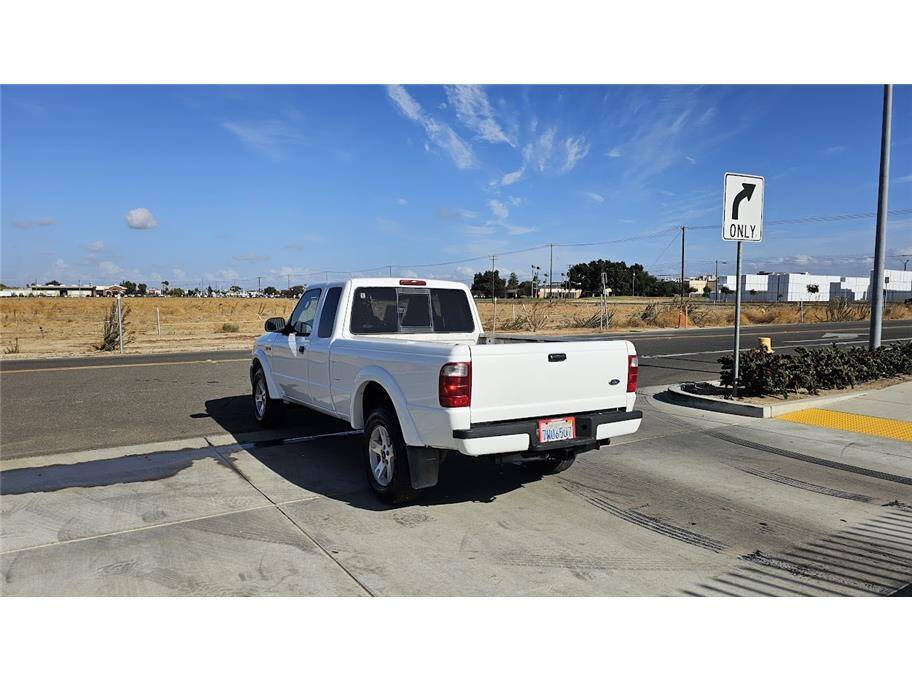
(329, 555)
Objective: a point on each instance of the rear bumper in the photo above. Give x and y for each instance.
(522, 434)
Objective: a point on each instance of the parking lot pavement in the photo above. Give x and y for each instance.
(690, 505)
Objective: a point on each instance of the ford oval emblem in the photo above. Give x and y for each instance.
(614, 382)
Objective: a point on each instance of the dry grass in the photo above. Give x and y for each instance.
(46, 326)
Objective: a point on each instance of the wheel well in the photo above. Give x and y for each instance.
(375, 396)
(254, 366)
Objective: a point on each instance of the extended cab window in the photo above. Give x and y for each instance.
(302, 317)
(328, 316)
(410, 310)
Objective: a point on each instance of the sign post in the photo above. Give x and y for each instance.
(742, 221)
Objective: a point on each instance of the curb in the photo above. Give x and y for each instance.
(702, 402)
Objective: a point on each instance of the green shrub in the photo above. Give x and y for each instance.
(815, 369)
(229, 327)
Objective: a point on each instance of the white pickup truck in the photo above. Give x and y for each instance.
(406, 361)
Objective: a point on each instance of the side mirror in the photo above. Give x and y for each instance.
(275, 324)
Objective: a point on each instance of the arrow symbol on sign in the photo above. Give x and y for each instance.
(745, 193)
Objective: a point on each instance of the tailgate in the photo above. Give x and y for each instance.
(519, 380)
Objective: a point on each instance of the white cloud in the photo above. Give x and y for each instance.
(451, 214)
(575, 149)
(516, 229)
(109, 268)
(251, 257)
(96, 246)
(690, 159)
(499, 210)
(474, 111)
(903, 178)
(834, 150)
(402, 201)
(485, 229)
(439, 133)
(614, 153)
(29, 224)
(140, 219)
(268, 137)
(595, 196)
(539, 152)
(515, 176)
(179, 274)
(707, 116)
(516, 201)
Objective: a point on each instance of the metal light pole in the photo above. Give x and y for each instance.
(493, 298)
(119, 324)
(735, 374)
(551, 272)
(724, 262)
(877, 281)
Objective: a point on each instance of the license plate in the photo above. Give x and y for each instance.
(550, 430)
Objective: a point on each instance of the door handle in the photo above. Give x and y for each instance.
(301, 349)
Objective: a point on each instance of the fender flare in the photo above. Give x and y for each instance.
(275, 392)
(380, 376)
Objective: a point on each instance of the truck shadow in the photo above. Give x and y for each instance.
(330, 462)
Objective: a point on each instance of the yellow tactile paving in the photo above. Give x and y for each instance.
(896, 429)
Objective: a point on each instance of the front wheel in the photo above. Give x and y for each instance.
(386, 458)
(266, 411)
(544, 467)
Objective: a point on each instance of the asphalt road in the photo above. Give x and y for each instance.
(676, 509)
(64, 405)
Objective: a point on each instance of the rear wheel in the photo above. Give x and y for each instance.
(265, 410)
(544, 467)
(386, 458)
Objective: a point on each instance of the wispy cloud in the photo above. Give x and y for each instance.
(31, 224)
(251, 257)
(455, 214)
(498, 209)
(140, 219)
(594, 196)
(475, 112)
(96, 246)
(437, 132)
(614, 153)
(902, 179)
(402, 201)
(575, 149)
(834, 150)
(270, 137)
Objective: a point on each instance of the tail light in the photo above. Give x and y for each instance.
(412, 282)
(633, 370)
(455, 387)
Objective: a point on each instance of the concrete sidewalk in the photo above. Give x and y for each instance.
(884, 413)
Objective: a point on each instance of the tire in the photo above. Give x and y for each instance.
(386, 458)
(546, 467)
(266, 410)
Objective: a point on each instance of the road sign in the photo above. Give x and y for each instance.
(742, 206)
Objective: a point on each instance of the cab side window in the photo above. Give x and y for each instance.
(302, 318)
(328, 317)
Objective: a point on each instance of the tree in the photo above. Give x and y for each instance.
(513, 281)
(707, 291)
(52, 283)
(129, 286)
(176, 291)
(813, 288)
(293, 292)
(270, 291)
(235, 288)
(619, 277)
(481, 284)
(725, 291)
(753, 293)
(141, 288)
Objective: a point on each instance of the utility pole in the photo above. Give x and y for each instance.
(877, 281)
(390, 270)
(724, 262)
(551, 272)
(906, 257)
(633, 285)
(493, 297)
(288, 281)
(259, 283)
(682, 263)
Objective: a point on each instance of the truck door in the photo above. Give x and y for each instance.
(289, 353)
(319, 380)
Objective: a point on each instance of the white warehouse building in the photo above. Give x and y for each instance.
(793, 287)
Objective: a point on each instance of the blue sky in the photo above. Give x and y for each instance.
(227, 183)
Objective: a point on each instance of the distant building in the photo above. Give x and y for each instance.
(791, 287)
(557, 291)
(53, 290)
(110, 290)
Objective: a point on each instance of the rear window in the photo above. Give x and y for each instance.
(390, 310)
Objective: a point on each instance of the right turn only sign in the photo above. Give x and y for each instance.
(742, 219)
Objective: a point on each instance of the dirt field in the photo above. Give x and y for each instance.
(39, 327)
